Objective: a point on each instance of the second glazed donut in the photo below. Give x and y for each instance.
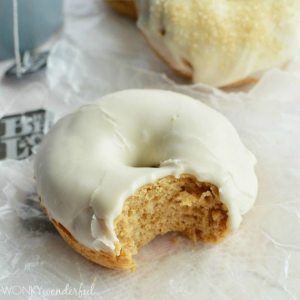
(221, 42)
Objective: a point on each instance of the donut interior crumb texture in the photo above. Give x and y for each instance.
(181, 204)
(124, 7)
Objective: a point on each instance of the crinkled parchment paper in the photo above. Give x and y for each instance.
(98, 53)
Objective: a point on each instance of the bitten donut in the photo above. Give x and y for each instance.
(140, 163)
(220, 42)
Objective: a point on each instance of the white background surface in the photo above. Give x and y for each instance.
(99, 52)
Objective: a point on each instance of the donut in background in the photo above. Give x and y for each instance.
(220, 43)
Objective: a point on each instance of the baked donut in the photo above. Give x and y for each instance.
(221, 42)
(139, 163)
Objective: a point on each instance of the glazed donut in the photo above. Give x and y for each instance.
(221, 42)
(139, 163)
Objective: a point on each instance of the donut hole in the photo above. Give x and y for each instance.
(145, 159)
(141, 164)
(147, 155)
(182, 205)
(149, 166)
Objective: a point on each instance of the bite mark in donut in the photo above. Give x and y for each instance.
(171, 204)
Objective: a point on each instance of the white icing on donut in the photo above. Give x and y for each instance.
(96, 157)
(221, 42)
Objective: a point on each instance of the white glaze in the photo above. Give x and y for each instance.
(223, 41)
(96, 157)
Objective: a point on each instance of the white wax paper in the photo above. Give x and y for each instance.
(99, 53)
